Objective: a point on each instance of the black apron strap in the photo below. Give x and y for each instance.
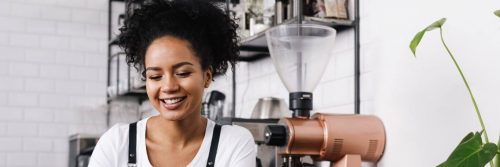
(214, 145)
(132, 136)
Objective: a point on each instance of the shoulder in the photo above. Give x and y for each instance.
(236, 131)
(115, 138)
(237, 146)
(119, 131)
(237, 137)
(116, 133)
(110, 146)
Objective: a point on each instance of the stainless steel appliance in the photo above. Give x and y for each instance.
(300, 53)
(80, 149)
(269, 108)
(265, 153)
(213, 105)
(267, 111)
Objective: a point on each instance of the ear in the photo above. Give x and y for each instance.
(208, 76)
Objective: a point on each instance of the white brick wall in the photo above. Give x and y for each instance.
(70, 29)
(41, 26)
(26, 10)
(70, 87)
(24, 129)
(38, 115)
(37, 144)
(23, 99)
(3, 159)
(3, 129)
(11, 144)
(40, 55)
(56, 13)
(22, 159)
(11, 24)
(53, 130)
(54, 42)
(23, 69)
(51, 66)
(24, 40)
(52, 159)
(4, 8)
(11, 83)
(4, 38)
(39, 85)
(54, 101)
(85, 16)
(11, 114)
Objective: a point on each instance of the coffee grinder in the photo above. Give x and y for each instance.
(300, 53)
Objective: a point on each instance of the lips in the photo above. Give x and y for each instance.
(172, 103)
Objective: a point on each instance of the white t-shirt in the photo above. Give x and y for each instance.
(236, 147)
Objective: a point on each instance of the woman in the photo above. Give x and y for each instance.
(178, 46)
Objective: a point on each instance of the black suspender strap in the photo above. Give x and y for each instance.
(213, 146)
(132, 136)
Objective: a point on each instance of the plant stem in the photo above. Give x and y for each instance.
(468, 89)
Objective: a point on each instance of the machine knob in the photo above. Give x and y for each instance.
(275, 135)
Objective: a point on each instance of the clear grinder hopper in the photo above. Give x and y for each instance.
(300, 53)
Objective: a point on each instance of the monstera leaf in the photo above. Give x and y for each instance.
(418, 37)
(471, 152)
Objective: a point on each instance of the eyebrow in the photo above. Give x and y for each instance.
(175, 66)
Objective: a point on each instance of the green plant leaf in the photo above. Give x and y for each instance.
(415, 41)
(497, 13)
(497, 163)
(471, 152)
(436, 24)
(418, 37)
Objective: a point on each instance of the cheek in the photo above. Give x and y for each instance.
(194, 88)
(152, 90)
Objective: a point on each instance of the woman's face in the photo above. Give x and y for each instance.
(175, 79)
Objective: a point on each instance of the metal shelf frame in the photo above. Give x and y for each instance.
(137, 93)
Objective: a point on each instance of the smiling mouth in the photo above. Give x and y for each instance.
(171, 101)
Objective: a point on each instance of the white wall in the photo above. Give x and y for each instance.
(422, 102)
(52, 77)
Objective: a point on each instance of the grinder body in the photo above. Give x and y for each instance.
(329, 137)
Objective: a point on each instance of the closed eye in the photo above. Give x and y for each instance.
(154, 77)
(183, 74)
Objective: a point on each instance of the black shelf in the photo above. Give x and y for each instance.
(255, 47)
(131, 92)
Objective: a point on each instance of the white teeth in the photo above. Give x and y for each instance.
(172, 101)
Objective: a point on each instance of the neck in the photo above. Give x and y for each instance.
(179, 133)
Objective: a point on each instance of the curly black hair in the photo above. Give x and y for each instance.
(209, 30)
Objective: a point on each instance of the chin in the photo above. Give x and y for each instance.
(172, 115)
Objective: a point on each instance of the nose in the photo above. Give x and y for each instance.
(169, 85)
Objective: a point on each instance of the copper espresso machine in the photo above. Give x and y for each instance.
(300, 53)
